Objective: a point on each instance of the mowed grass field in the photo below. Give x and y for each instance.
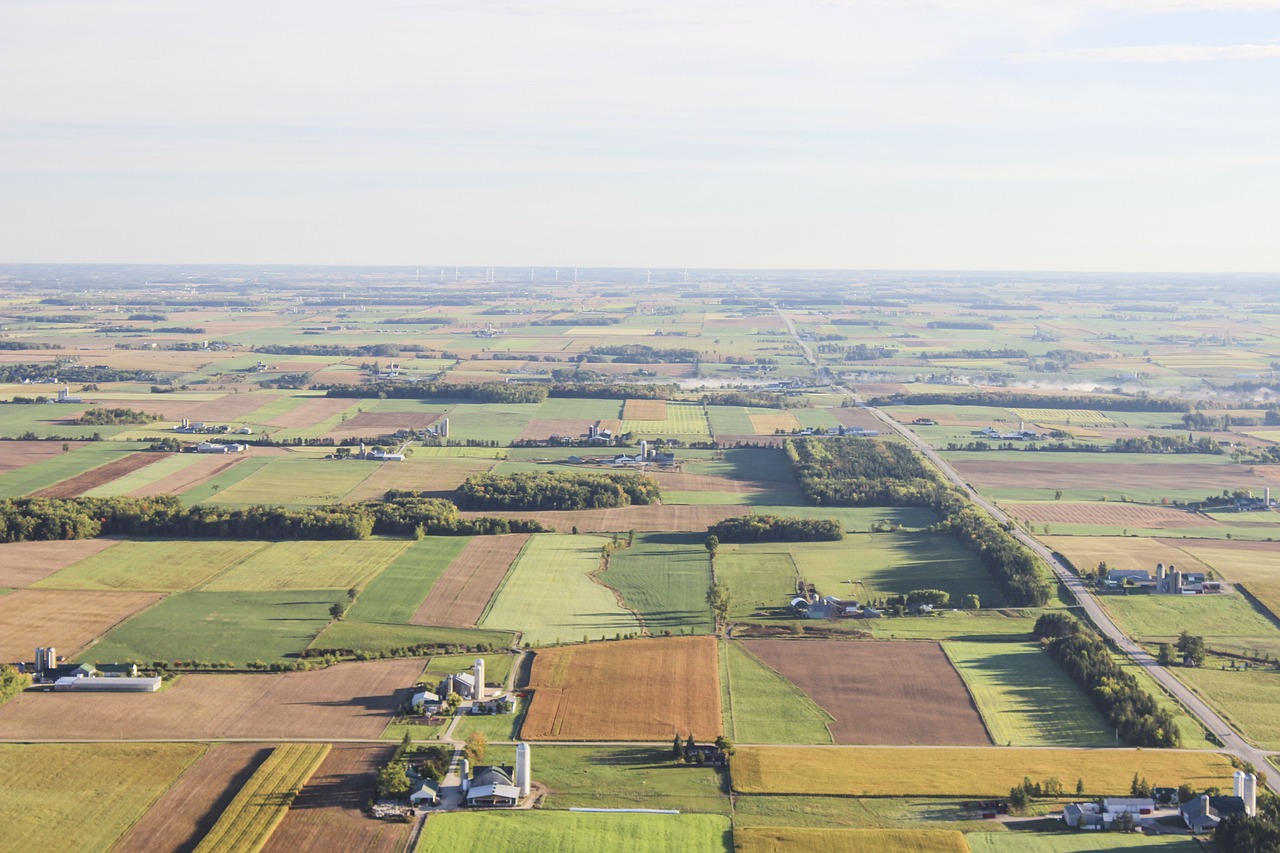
(1077, 842)
(83, 797)
(614, 777)
(1227, 622)
(963, 772)
(760, 839)
(665, 578)
(628, 690)
(262, 803)
(1255, 565)
(1024, 697)
(168, 565)
(760, 706)
(575, 832)
(339, 564)
(681, 419)
(1249, 699)
(549, 597)
(395, 594)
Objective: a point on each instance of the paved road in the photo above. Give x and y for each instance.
(1232, 741)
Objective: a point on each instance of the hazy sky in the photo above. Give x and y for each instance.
(988, 134)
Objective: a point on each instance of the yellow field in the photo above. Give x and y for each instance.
(261, 804)
(1122, 552)
(644, 410)
(310, 565)
(961, 772)
(788, 839)
(82, 797)
(1254, 565)
(168, 565)
(1068, 417)
(768, 424)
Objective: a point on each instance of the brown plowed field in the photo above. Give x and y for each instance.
(643, 519)
(312, 412)
(680, 482)
(644, 410)
(854, 417)
(20, 454)
(441, 476)
(68, 621)
(208, 467)
(347, 701)
(628, 690)
(386, 423)
(880, 692)
(329, 812)
(1116, 476)
(23, 563)
(459, 596)
(573, 427)
(219, 410)
(1116, 514)
(99, 476)
(186, 812)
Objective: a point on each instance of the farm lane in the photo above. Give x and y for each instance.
(1232, 741)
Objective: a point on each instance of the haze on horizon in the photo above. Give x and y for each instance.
(837, 134)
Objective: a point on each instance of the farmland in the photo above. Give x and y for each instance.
(309, 565)
(881, 692)
(664, 578)
(627, 777)
(252, 815)
(160, 566)
(569, 832)
(1248, 699)
(69, 621)
(763, 707)
(1227, 622)
(396, 592)
(23, 563)
(96, 477)
(1075, 842)
(291, 481)
(629, 690)
(957, 772)
(776, 840)
(117, 783)
(463, 591)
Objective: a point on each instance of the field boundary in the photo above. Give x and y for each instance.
(973, 700)
(1257, 603)
(484, 614)
(167, 788)
(597, 577)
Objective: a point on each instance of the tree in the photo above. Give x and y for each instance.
(972, 602)
(1080, 786)
(337, 609)
(713, 544)
(392, 780)
(1166, 655)
(677, 748)
(476, 747)
(719, 598)
(1191, 648)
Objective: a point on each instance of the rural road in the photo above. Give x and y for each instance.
(1232, 742)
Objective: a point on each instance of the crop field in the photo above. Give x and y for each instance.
(310, 565)
(397, 591)
(312, 413)
(761, 706)
(93, 479)
(1064, 417)
(261, 804)
(1110, 514)
(759, 839)
(879, 692)
(209, 626)
(1124, 552)
(635, 777)
(329, 813)
(375, 637)
(575, 832)
(68, 621)
(386, 423)
(684, 419)
(580, 409)
(500, 422)
(1077, 842)
(50, 470)
(89, 795)
(346, 701)
(761, 582)
(665, 579)
(191, 806)
(644, 410)
(1025, 698)
(15, 455)
(960, 772)
(194, 470)
(649, 518)
(550, 597)
(436, 475)
(468, 582)
(1227, 622)
(1247, 698)
(729, 420)
(767, 422)
(166, 565)
(1255, 565)
(628, 690)
(163, 466)
(228, 475)
(23, 563)
(294, 481)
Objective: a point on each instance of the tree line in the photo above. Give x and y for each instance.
(1034, 401)
(1086, 659)
(555, 491)
(771, 528)
(99, 416)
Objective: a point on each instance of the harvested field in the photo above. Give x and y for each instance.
(386, 423)
(1253, 566)
(857, 418)
(99, 476)
(20, 454)
(439, 476)
(68, 621)
(1112, 514)
(629, 690)
(960, 772)
(23, 563)
(347, 701)
(329, 813)
(646, 519)
(314, 411)
(262, 803)
(187, 811)
(880, 692)
(1124, 552)
(771, 422)
(228, 408)
(1118, 477)
(459, 597)
(573, 427)
(644, 410)
(205, 468)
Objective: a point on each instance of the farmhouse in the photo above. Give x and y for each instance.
(377, 454)
(428, 701)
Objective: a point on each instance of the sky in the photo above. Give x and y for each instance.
(1126, 135)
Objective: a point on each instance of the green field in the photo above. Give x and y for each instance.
(730, 420)
(167, 565)
(573, 408)
(1077, 842)
(496, 667)
(55, 469)
(500, 422)
(761, 583)
(1025, 698)
(394, 595)
(496, 727)
(568, 832)
(686, 420)
(381, 637)
(665, 578)
(619, 777)
(237, 473)
(261, 804)
(765, 810)
(812, 840)
(966, 625)
(167, 464)
(1227, 622)
(339, 564)
(219, 626)
(294, 481)
(760, 706)
(549, 597)
(1248, 699)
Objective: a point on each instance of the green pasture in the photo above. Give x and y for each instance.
(306, 564)
(219, 626)
(761, 582)
(166, 565)
(1069, 841)
(664, 577)
(771, 810)
(643, 777)
(495, 727)
(761, 706)
(378, 637)
(293, 482)
(1191, 729)
(500, 422)
(730, 420)
(684, 420)
(395, 594)
(573, 832)
(574, 408)
(1227, 622)
(1025, 698)
(212, 487)
(549, 596)
(45, 421)
(47, 472)
(1247, 698)
(963, 625)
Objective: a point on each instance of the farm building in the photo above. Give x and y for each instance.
(214, 447)
(377, 454)
(98, 684)
(1095, 816)
(1203, 813)
(493, 786)
(424, 792)
(468, 685)
(429, 701)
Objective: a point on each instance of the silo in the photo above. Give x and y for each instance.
(1250, 795)
(479, 673)
(444, 427)
(1237, 784)
(39, 659)
(51, 658)
(523, 769)
(464, 771)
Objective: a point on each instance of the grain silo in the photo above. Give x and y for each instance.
(523, 769)
(479, 673)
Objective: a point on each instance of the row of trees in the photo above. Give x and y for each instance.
(1035, 401)
(772, 528)
(99, 416)
(556, 491)
(481, 392)
(1085, 658)
(12, 682)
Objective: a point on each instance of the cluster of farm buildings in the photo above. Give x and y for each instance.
(51, 673)
(1167, 581)
(1198, 814)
